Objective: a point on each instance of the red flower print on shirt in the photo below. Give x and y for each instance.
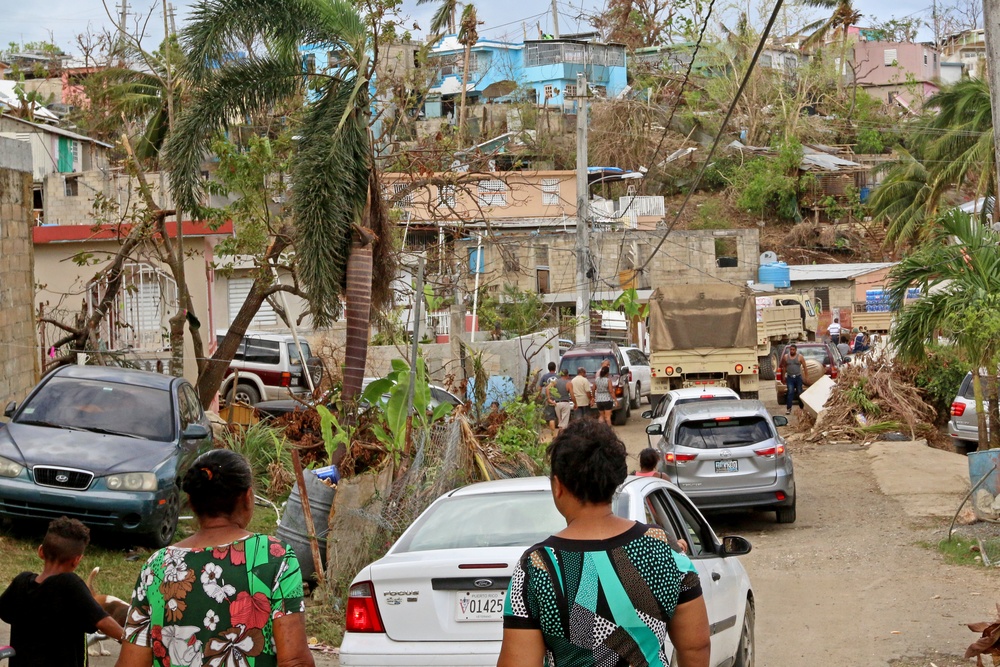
(253, 612)
(277, 549)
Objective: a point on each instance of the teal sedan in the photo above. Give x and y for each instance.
(104, 445)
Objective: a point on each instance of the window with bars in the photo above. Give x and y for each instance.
(402, 195)
(492, 193)
(547, 91)
(309, 63)
(446, 195)
(889, 57)
(570, 91)
(541, 255)
(137, 319)
(550, 191)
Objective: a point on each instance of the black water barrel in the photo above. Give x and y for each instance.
(292, 528)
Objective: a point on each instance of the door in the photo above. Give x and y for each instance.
(720, 579)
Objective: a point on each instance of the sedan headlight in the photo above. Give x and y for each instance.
(9, 468)
(131, 481)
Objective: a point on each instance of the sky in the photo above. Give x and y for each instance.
(61, 20)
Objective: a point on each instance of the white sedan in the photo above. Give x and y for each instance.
(661, 411)
(436, 598)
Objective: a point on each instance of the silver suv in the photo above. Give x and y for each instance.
(963, 427)
(268, 368)
(728, 454)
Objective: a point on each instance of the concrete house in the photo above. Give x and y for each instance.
(965, 50)
(840, 288)
(904, 73)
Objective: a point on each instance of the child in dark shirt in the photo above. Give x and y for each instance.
(50, 613)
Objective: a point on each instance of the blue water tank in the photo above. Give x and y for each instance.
(776, 274)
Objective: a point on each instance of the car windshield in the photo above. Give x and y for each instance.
(105, 407)
(591, 363)
(293, 353)
(723, 432)
(486, 520)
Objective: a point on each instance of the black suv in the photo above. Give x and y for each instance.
(590, 356)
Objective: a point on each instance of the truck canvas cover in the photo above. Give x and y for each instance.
(685, 317)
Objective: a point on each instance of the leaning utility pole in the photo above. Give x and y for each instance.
(583, 214)
(991, 22)
(555, 20)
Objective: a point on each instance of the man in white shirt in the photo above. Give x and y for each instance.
(834, 331)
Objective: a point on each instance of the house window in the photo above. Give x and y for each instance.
(402, 195)
(925, 57)
(791, 62)
(446, 195)
(70, 186)
(765, 61)
(889, 57)
(309, 63)
(542, 281)
(137, 319)
(570, 91)
(550, 191)
(541, 256)
(823, 299)
(547, 92)
(473, 62)
(492, 193)
(238, 290)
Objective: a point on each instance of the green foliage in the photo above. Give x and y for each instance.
(391, 425)
(769, 185)
(520, 431)
(869, 141)
(721, 173)
(264, 447)
(515, 312)
(857, 395)
(939, 374)
(334, 434)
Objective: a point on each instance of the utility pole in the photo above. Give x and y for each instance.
(937, 26)
(583, 214)
(991, 22)
(555, 20)
(418, 301)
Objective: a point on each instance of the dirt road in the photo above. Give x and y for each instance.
(848, 584)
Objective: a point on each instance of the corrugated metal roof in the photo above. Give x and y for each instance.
(58, 130)
(814, 158)
(834, 271)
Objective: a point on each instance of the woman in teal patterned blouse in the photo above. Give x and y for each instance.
(223, 596)
(605, 591)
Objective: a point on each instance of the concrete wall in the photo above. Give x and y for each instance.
(686, 257)
(18, 368)
(870, 59)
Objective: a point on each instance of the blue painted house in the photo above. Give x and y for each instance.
(547, 68)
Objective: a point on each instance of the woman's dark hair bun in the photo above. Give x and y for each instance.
(215, 482)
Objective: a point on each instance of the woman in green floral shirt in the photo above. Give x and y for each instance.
(223, 597)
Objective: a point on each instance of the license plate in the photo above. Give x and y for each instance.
(727, 466)
(479, 605)
(295, 382)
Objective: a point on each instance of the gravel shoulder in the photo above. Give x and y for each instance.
(849, 583)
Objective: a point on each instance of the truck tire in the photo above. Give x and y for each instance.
(767, 365)
(637, 399)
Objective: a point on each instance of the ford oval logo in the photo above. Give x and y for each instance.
(62, 478)
(483, 583)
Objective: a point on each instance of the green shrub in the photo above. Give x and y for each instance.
(769, 185)
(520, 431)
(940, 376)
(270, 459)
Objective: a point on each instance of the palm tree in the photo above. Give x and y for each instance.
(243, 60)
(958, 273)
(952, 149)
(843, 16)
(468, 35)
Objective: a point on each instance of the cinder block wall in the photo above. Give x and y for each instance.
(17, 287)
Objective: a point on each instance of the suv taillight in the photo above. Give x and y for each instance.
(779, 375)
(777, 450)
(833, 371)
(672, 458)
(957, 409)
(630, 377)
(362, 610)
(286, 379)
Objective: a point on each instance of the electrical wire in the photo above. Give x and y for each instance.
(718, 137)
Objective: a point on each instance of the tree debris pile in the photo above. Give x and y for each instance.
(873, 398)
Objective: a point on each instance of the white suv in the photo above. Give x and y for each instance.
(269, 368)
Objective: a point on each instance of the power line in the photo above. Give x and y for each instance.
(722, 129)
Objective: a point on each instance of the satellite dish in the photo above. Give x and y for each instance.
(768, 258)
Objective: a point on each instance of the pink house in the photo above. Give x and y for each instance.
(897, 72)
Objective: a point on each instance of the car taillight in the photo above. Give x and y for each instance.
(833, 372)
(957, 409)
(739, 368)
(286, 379)
(671, 457)
(770, 451)
(362, 610)
(779, 375)
(630, 376)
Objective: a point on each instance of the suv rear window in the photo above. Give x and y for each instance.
(260, 351)
(723, 432)
(293, 353)
(591, 362)
(819, 354)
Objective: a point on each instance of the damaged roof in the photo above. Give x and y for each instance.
(816, 157)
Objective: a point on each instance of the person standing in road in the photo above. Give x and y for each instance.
(561, 395)
(791, 367)
(583, 394)
(544, 383)
(604, 590)
(604, 395)
(834, 331)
